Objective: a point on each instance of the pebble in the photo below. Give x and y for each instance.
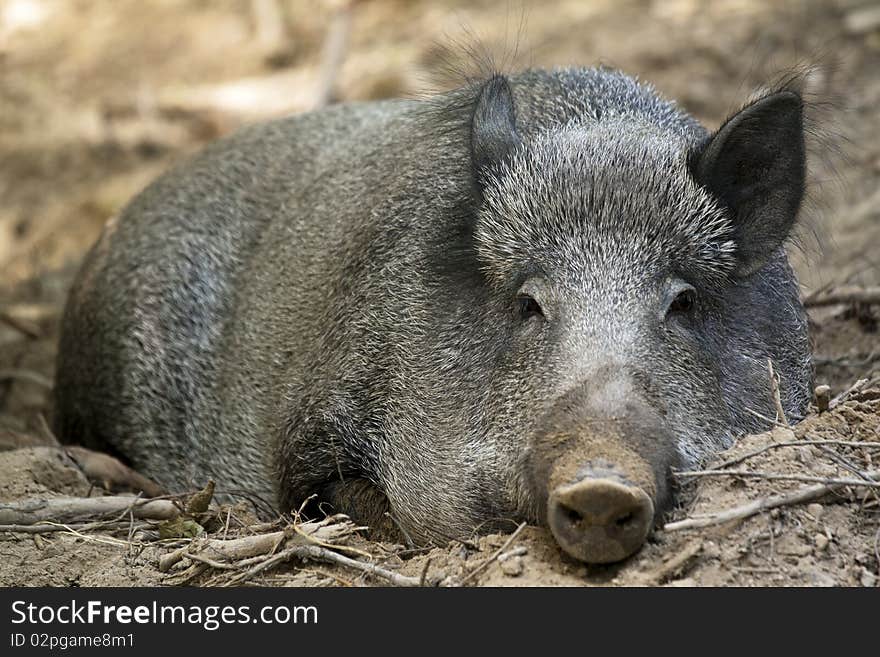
(815, 510)
(823, 397)
(512, 567)
(818, 578)
(868, 578)
(804, 455)
(711, 550)
(687, 582)
(821, 542)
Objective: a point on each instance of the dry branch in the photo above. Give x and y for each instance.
(52, 527)
(485, 564)
(844, 295)
(796, 443)
(799, 496)
(237, 549)
(24, 327)
(252, 555)
(72, 509)
(777, 476)
(674, 565)
(774, 394)
(324, 554)
(846, 394)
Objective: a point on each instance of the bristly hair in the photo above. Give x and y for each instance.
(546, 194)
(469, 59)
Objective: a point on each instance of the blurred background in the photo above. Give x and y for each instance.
(97, 97)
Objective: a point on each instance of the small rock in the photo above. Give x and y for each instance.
(512, 567)
(821, 542)
(815, 510)
(782, 435)
(868, 578)
(791, 545)
(819, 578)
(823, 397)
(804, 455)
(711, 550)
(687, 582)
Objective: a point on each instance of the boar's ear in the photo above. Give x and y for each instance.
(493, 126)
(755, 165)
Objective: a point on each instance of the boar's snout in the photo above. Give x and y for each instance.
(598, 469)
(599, 520)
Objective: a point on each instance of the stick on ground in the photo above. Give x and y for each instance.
(844, 294)
(495, 556)
(776, 476)
(799, 496)
(72, 509)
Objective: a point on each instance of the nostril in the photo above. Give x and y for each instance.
(625, 519)
(572, 516)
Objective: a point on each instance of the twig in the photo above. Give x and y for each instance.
(324, 554)
(775, 476)
(674, 565)
(848, 361)
(843, 295)
(774, 394)
(107, 540)
(844, 463)
(52, 527)
(799, 496)
(65, 509)
(806, 299)
(424, 576)
(775, 423)
(849, 392)
(485, 564)
(755, 570)
(794, 443)
(237, 549)
(27, 329)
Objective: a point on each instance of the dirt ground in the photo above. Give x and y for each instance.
(98, 97)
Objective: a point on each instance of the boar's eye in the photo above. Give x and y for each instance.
(528, 307)
(683, 302)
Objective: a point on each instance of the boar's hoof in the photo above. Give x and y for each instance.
(600, 520)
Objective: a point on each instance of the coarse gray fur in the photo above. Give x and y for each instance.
(334, 296)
